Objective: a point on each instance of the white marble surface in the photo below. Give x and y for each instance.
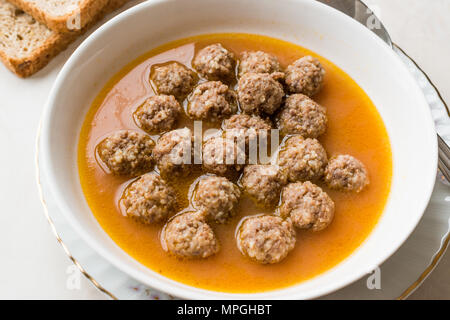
(34, 265)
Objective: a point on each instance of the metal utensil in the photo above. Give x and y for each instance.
(444, 158)
(361, 13)
(364, 15)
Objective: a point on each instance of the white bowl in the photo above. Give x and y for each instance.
(311, 24)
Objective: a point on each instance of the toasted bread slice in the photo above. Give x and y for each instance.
(26, 46)
(62, 15)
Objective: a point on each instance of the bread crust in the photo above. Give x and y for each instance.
(37, 59)
(88, 10)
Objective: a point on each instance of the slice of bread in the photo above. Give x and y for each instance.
(26, 46)
(62, 15)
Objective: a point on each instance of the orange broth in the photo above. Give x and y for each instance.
(355, 127)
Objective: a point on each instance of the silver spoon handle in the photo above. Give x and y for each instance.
(444, 158)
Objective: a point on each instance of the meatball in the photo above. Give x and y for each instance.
(346, 173)
(149, 199)
(263, 183)
(308, 206)
(173, 79)
(303, 159)
(218, 197)
(303, 116)
(158, 114)
(223, 156)
(266, 239)
(212, 101)
(214, 62)
(258, 62)
(249, 126)
(173, 153)
(188, 235)
(305, 76)
(259, 93)
(127, 153)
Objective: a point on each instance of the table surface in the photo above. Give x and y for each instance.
(34, 265)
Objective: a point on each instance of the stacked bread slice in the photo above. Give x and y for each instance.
(32, 32)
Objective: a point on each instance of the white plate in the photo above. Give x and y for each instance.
(400, 275)
(360, 53)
